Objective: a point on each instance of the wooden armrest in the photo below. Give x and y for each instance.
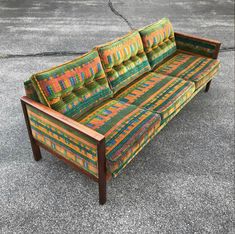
(64, 119)
(204, 46)
(193, 37)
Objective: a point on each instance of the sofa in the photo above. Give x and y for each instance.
(99, 110)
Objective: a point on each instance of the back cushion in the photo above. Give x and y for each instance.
(74, 87)
(158, 40)
(123, 60)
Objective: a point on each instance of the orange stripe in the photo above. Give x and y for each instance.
(123, 136)
(60, 139)
(159, 91)
(62, 129)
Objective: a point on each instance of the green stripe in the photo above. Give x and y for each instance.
(63, 136)
(170, 88)
(195, 42)
(115, 119)
(64, 146)
(172, 97)
(144, 142)
(39, 93)
(112, 153)
(150, 92)
(47, 118)
(180, 67)
(203, 68)
(161, 57)
(87, 104)
(137, 71)
(194, 67)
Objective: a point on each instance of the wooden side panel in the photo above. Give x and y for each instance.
(202, 46)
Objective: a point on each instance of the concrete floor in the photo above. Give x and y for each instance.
(182, 182)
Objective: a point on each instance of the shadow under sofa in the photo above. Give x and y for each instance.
(99, 110)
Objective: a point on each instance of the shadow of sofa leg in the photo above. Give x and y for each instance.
(35, 148)
(208, 86)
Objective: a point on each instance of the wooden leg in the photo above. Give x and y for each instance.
(102, 172)
(35, 147)
(208, 86)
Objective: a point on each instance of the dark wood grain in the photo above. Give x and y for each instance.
(35, 147)
(102, 172)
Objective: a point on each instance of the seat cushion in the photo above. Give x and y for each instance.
(74, 87)
(190, 67)
(122, 125)
(123, 60)
(158, 93)
(158, 40)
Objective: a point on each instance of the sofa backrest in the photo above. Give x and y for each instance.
(158, 40)
(75, 87)
(124, 60)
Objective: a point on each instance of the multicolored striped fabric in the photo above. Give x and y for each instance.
(123, 60)
(158, 40)
(189, 67)
(74, 87)
(158, 93)
(123, 126)
(116, 167)
(193, 45)
(63, 140)
(143, 103)
(30, 90)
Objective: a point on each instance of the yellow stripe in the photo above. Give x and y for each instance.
(46, 121)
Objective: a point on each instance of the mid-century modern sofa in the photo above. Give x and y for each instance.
(99, 110)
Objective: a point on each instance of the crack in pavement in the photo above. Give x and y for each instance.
(70, 53)
(42, 54)
(110, 4)
(227, 49)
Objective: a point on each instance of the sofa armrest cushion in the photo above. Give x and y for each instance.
(30, 90)
(202, 46)
(75, 87)
(124, 60)
(158, 40)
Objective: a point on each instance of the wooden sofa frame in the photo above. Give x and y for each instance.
(103, 175)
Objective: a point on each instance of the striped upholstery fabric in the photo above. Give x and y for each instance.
(158, 40)
(65, 141)
(123, 60)
(158, 93)
(190, 67)
(30, 90)
(74, 87)
(194, 45)
(123, 126)
(115, 167)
